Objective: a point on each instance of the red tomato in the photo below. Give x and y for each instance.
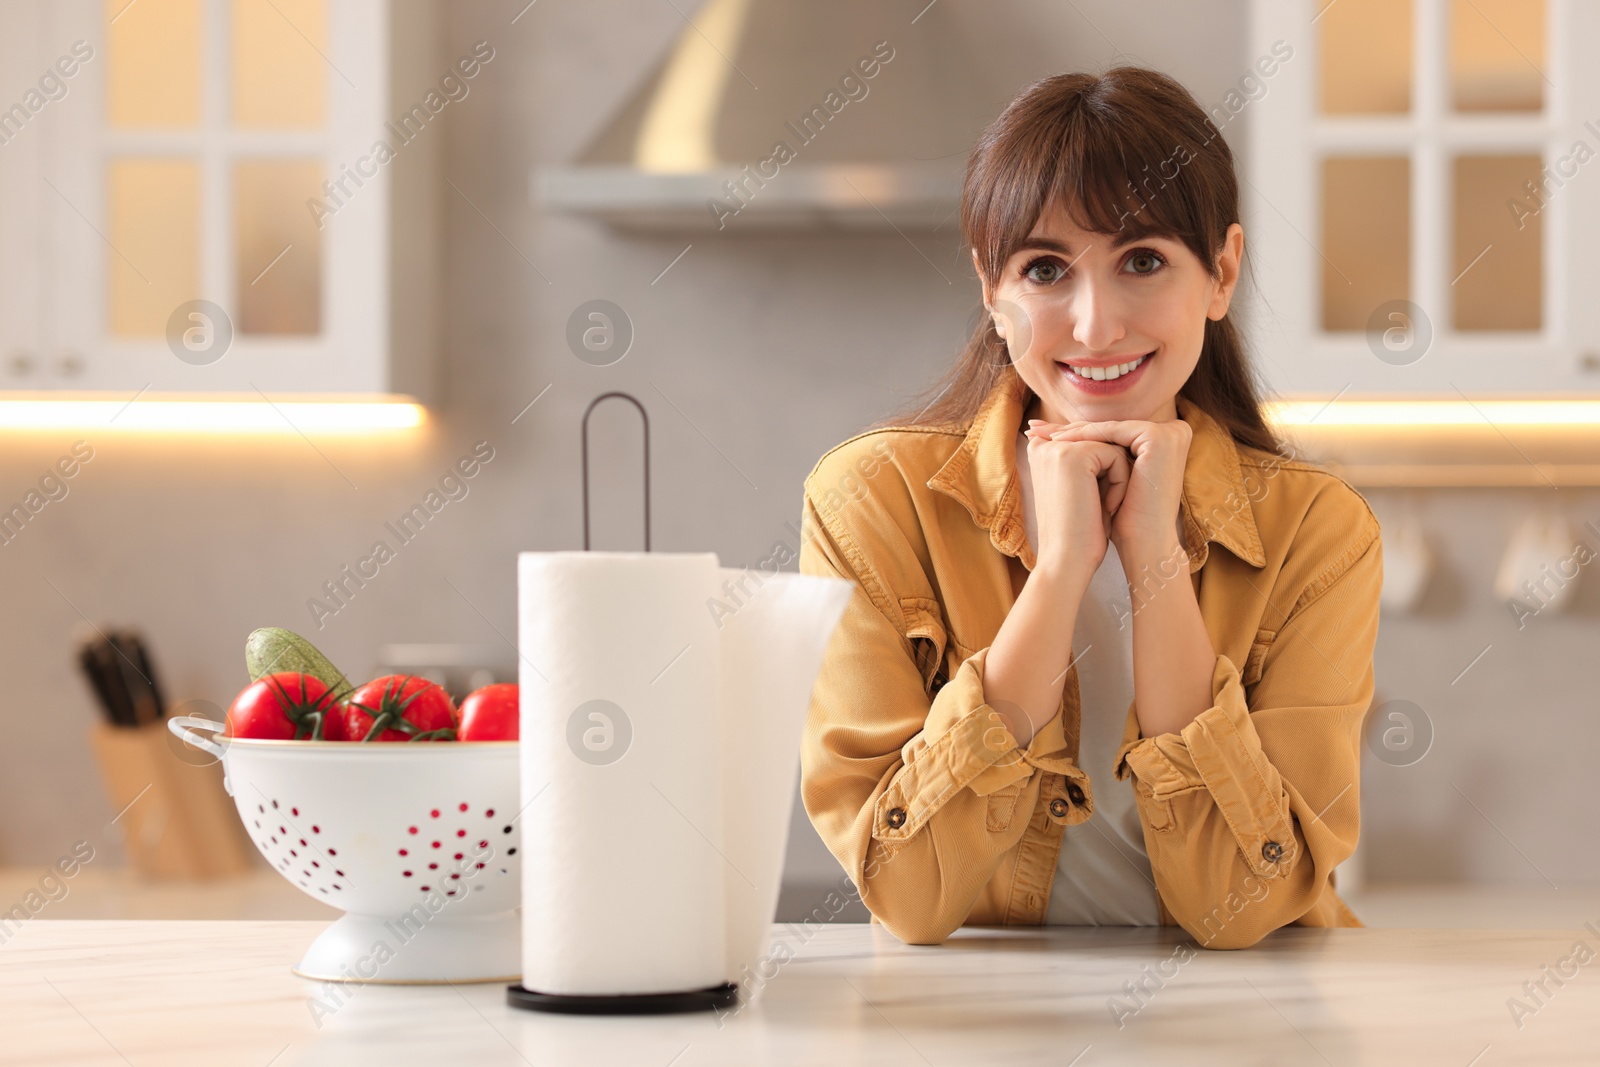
(286, 707)
(399, 707)
(490, 714)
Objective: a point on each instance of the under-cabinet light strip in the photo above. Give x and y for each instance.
(1463, 413)
(211, 416)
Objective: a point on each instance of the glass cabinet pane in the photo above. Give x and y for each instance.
(153, 227)
(1365, 56)
(279, 248)
(1366, 237)
(1497, 252)
(1497, 55)
(279, 73)
(153, 63)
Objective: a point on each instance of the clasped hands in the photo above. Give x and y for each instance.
(1097, 481)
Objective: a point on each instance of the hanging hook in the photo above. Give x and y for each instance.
(585, 432)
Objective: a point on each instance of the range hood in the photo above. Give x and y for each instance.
(775, 114)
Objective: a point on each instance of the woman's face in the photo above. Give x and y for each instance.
(1072, 304)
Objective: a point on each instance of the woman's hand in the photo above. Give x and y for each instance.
(1078, 486)
(1144, 522)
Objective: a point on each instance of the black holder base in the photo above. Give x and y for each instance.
(725, 995)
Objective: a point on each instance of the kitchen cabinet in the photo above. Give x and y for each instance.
(193, 199)
(1422, 196)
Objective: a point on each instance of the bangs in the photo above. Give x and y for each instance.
(1111, 176)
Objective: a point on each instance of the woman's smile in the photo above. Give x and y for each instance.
(1105, 377)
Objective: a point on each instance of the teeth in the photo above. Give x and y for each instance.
(1101, 374)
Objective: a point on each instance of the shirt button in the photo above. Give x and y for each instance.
(897, 818)
(1272, 852)
(1058, 808)
(1075, 793)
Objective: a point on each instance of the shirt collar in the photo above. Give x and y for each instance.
(982, 475)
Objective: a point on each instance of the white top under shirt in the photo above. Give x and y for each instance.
(1103, 875)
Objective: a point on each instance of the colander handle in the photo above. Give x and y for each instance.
(185, 725)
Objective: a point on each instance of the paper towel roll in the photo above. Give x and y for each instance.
(622, 773)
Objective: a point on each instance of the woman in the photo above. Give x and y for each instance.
(1110, 648)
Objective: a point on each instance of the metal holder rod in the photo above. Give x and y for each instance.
(585, 434)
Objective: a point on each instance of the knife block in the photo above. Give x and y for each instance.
(178, 823)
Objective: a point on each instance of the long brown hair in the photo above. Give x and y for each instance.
(1126, 152)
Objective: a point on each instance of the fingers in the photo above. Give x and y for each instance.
(1103, 456)
(1110, 465)
(1106, 459)
(1116, 491)
(1046, 427)
(1113, 468)
(1042, 429)
(1116, 474)
(1124, 433)
(1104, 453)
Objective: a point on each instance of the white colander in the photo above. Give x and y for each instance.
(416, 842)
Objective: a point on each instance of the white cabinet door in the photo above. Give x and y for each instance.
(1423, 203)
(22, 140)
(189, 181)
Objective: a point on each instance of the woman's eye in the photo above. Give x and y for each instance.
(1050, 265)
(1146, 262)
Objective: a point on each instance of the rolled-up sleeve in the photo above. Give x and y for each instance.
(1255, 801)
(898, 782)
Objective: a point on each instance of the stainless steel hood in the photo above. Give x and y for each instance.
(782, 114)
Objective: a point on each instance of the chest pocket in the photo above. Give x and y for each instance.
(929, 640)
(1250, 674)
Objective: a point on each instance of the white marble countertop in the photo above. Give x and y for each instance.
(86, 993)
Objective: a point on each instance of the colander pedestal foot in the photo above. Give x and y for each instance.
(417, 949)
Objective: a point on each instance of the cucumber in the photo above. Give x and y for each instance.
(271, 650)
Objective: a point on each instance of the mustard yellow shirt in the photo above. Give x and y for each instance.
(941, 819)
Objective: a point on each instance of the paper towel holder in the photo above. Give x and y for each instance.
(714, 997)
(585, 435)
